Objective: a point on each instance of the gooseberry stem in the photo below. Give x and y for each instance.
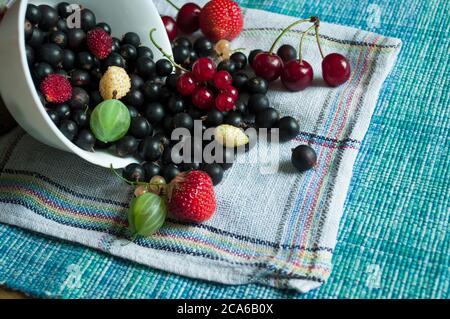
(317, 26)
(286, 31)
(126, 180)
(300, 48)
(170, 58)
(173, 5)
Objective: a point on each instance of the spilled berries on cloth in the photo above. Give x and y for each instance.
(272, 225)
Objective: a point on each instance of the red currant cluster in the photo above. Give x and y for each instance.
(296, 73)
(208, 87)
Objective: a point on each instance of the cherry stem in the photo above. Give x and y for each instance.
(170, 58)
(300, 49)
(317, 26)
(173, 5)
(285, 31)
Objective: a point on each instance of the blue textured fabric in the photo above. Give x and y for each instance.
(393, 240)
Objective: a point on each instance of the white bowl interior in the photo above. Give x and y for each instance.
(16, 84)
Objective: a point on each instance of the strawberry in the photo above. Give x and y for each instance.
(221, 19)
(56, 89)
(100, 43)
(191, 197)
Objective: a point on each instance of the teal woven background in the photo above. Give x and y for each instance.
(393, 241)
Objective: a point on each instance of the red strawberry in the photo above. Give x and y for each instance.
(192, 197)
(221, 19)
(100, 43)
(56, 89)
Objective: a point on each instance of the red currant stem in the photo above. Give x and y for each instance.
(170, 58)
(300, 48)
(317, 26)
(173, 5)
(286, 31)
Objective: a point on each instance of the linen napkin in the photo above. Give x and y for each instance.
(273, 225)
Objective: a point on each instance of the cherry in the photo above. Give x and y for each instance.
(204, 69)
(171, 27)
(188, 18)
(335, 69)
(186, 84)
(297, 75)
(268, 66)
(224, 102)
(232, 91)
(203, 98)
(222, 80)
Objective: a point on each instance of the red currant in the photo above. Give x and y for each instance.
(232, 91)
(204, 69)
(296, 75)
(224, 102)
(186, 84)
(222, 80)
(335, 69)
(268, 66)
(171, 27)
(203, 98)
(188, 18)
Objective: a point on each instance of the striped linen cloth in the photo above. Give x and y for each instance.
(276, 229)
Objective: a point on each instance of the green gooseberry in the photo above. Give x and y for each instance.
(110, 121)
(147, 214)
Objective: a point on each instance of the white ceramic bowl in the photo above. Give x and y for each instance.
(16, 85)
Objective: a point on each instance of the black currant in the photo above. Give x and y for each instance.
(133, 111)
(33, 14)
(227, 65)
(214, 118)
(169, 172)
(233, 118)
(59, 38)
(131, 38)
(85, 140)
(304, 158)
(257, 85)
(88, 20)
(215, 171)
(288, 128)
(195, 112)
(128, 52)
(41, 70)
(114, 59)
(145, 67)
(61, 25)
(64, 9)
(63, 111)
(165, 141)
(136, 82)
(182, 42)
(183, 120)
(28, 30)
(80, 99)
(81, 118)
(152, 91)
(54, 116)
(168, 124)
(287, 53)
(154, 112)
(69, 129)
(51, 54)
(240, 59)
(134, 98)
(267, 118)
(151, 170)
(140, 127)
(240, 106)
(80, 78)
(151, 149)
(186, 167)
(145, 52)
(176, 104)
(30, 54)
(62, 72)
(181, 55)
(68, 61)
(240, 81)
(258, 102)
(95, 98)
(85, 60)
(164, 67)
(127, 146)
(165, 94)
(252, 55)
(36, 38)
(75, 38)
(49, 17)
(203, 47)
(115, 45)
(134, 173)
(105, 27)
(171, 82)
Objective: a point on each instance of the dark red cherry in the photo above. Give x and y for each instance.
(171, 27)
(296, 75)
(268, 66)
(187, 18)
(335, 69)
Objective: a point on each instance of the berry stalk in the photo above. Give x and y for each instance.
(317, 27)
(168, 57)
(173, 5)
(300, 49)
(298, 22)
